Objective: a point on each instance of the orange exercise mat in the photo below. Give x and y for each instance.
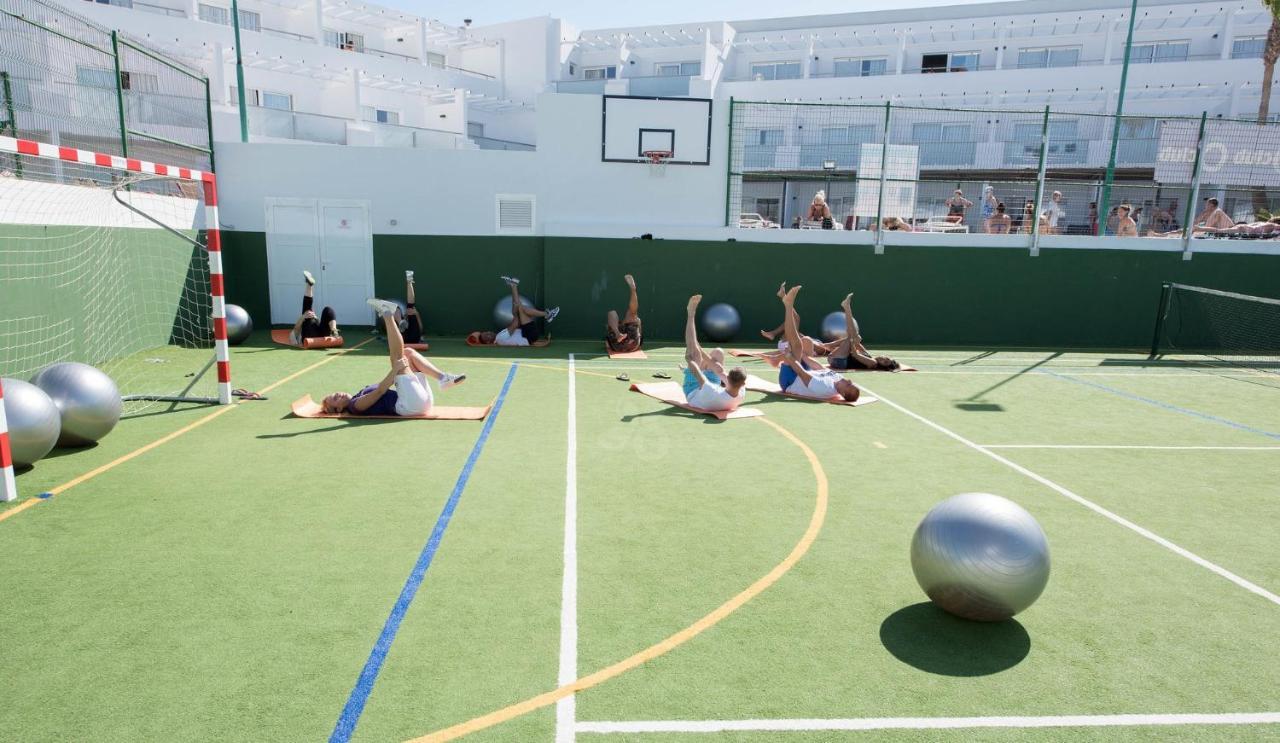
(473, 340)
(305, 407)
(637, 354)
(282, 337)
(673, 394)
(756, 384)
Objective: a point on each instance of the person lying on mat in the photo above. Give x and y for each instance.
(411, 395)
(803, 376)
(849, 353)
(524, 329)
(811, 346)
(624, 336)
(308, 325)
(706, 384)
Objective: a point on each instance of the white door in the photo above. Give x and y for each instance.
(332, 239)
(346, 260)
(293, 245)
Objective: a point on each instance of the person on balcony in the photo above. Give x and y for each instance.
(1057, 214)
(1000, 223)
(820, 212)
(956, 206)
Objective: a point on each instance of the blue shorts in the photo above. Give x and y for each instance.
(691, 383)
(787, 375)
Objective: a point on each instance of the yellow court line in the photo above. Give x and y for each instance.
(171, 436)
(524, 364)
(549, 698)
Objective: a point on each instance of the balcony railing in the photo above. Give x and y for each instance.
(304, 127)
(489, 143)
(673, 86)
(580, 86)
(157, 9)
(281, 34)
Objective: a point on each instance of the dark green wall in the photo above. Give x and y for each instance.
(244, 266)
(917, 295)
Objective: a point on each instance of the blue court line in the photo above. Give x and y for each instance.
(346, 724)
(1165, 405)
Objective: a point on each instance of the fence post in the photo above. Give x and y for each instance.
(728, 171)
(124, 127)
(1105, 202)
(240, 92)
(1188, 224)
(11, 119)
(884, 172)
(208, 112)
(1044, 160)
(1162, 312)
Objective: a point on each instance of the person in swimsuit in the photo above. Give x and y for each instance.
(308, 325)
(956, 206)
(820, 212)
(404, 391)
(1000, 222)
(623, 336)
(706, 384)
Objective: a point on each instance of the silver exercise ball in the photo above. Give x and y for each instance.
(833, 327)
(980, 556)
(721, 322)
(502, 310)
(402, 311)
(34, 422)
(87, 399)
(239, 324)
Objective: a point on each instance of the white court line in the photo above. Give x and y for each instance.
(1248, 586)
(1130, 446)
(926, 723)
(566, 708)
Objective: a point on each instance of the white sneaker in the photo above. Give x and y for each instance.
(382, 306)
(510, 281)
(449, 380)
(408, 276)
(311, 280)
(552, 313)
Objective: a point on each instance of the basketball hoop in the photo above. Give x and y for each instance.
(658, 160)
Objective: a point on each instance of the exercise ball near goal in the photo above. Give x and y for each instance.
(502, 310)
(34, 421)
(833, 327)
(980, 556)
(239, 324)
(87, 399)
(721, 322)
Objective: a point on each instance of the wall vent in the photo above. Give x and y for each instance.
(515, 214)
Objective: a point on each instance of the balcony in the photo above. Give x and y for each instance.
(585, 87)
(671, 86)
(298, 126)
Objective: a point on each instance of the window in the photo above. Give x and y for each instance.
(119, 3)
(1048, 57)
(475, 129)
(944, 144)
(861, 67)
(761, 147)
(1248, 47)
(775, 71)
(600, 73)
(770, 209)
(1065, 146)
(949, 62)
(278, 101)
(249, 20)
(251, 96)
(378, 115)
(1164, 51)
(100, 77)
(678, 69)
(435, 60)
(573, 69)
(344, 40)
(95, 77)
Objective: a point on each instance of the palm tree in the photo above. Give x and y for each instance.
(1270, 53)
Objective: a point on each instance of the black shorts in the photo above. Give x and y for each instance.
(531, 331)
(412, 329)
(631, 338)
(311, 328)
(840, 363)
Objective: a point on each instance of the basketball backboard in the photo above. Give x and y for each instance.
(634, 125)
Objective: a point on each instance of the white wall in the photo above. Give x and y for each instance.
(444, 192)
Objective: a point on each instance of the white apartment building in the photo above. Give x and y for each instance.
(349, 72)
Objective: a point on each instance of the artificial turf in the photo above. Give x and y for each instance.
(230, 583)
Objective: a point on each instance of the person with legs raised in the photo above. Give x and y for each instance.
(706, 384)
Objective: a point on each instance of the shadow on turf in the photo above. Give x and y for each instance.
(673, 413)
(926, 637)
(340, 424)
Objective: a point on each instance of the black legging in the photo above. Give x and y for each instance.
(413, 327)
(310, 325)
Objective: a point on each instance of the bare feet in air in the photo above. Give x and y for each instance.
(790, 296)
(848, 302)
(769, 335)
(782, 289)
(693, 302)
(631, 280)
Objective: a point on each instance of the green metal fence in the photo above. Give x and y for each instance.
(68, 81)
(948, 170)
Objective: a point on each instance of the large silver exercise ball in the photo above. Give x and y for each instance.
(721, 322)
(87, 399)
(34, 421)
(239, 324)
(402, 311)
(980, 556)
(502, 310)
(833, 327)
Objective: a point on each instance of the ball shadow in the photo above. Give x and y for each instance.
(928, 638)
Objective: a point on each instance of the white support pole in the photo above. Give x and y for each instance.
(902, 51)
(1228, 30)
(319, 16)
(1000, 45)
(355, 93)
(218, 75)
(422, 41)
(1107, 48)
(808, 60)
(8, 484)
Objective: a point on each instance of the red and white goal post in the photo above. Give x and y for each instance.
(207, 184)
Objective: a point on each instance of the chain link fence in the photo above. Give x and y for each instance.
(67, 81)
(995, 171)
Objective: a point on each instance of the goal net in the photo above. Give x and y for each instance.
(1220, 328)
(105, 261)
